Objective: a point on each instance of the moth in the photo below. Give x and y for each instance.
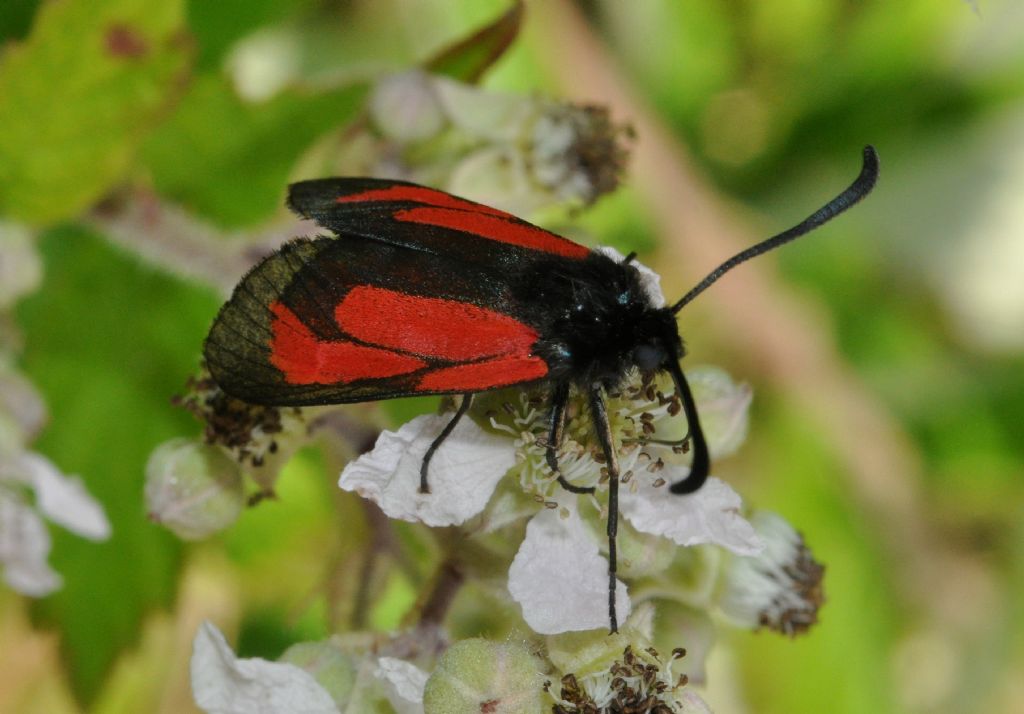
(422, 292)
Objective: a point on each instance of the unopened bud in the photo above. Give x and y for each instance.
(481, 676)
(331, 668)
(405, 108)
(20, 402)
(193, 489)
(21, 269)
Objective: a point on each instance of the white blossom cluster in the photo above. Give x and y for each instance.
(521, 154)
(32, 488)
(490, 478)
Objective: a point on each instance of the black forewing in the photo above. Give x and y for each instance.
(376, 219)
(311, 277)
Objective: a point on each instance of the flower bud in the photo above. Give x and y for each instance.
(779, 589)
(21, 270)
(193, 489)
(331, 668)
(264, 63)
(481, 676)
(21, 402)
(405, 108)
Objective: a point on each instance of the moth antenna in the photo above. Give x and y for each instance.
(860, 188)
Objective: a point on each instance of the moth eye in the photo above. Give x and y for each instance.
(648, 356)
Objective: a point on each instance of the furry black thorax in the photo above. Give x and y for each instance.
(599, 321)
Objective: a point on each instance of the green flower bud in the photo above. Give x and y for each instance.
(477, 675)
(331, 668)
(193, 489)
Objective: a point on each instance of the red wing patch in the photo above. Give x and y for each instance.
(484, 375)
(496, 228)
(419, 194)
(305, 359)
(346, 205)
(432, 327)
(494, 349)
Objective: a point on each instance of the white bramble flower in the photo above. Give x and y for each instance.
(518, 153)
(24, 539)
(462, 478)
(781, 588)
(21, 409)
(310, 678)
(225, 684)
(639, 681)
(559, 576)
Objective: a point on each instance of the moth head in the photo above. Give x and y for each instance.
(649, 356)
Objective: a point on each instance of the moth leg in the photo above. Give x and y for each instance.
(467, 399)
(604, 436)
(701, 459)
(559, 399)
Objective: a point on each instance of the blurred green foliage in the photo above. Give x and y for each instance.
(108, 341)
(81, 92)
(96, 93)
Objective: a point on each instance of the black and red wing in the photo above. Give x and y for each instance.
(425, 219)
(348, 319)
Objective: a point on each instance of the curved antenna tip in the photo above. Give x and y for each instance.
(856, 191)
(870, 167)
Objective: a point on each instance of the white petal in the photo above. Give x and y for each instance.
(403, 684)
(560, 578)
(692, 703)
(496, 176)
(24, 548)
(711, 515)
(224, 684)
(21, 400)
(495, 116)
(463, 473)
(649, 280)
(64, 499)
(723, 406)
(21, 268)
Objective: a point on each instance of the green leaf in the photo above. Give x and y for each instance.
(77, 97)
(218, 25)
(853, 642)
(468, 59)
(16, 19)
(108, 342)
(231, 160)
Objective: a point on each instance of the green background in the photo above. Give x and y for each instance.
(885, 353)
